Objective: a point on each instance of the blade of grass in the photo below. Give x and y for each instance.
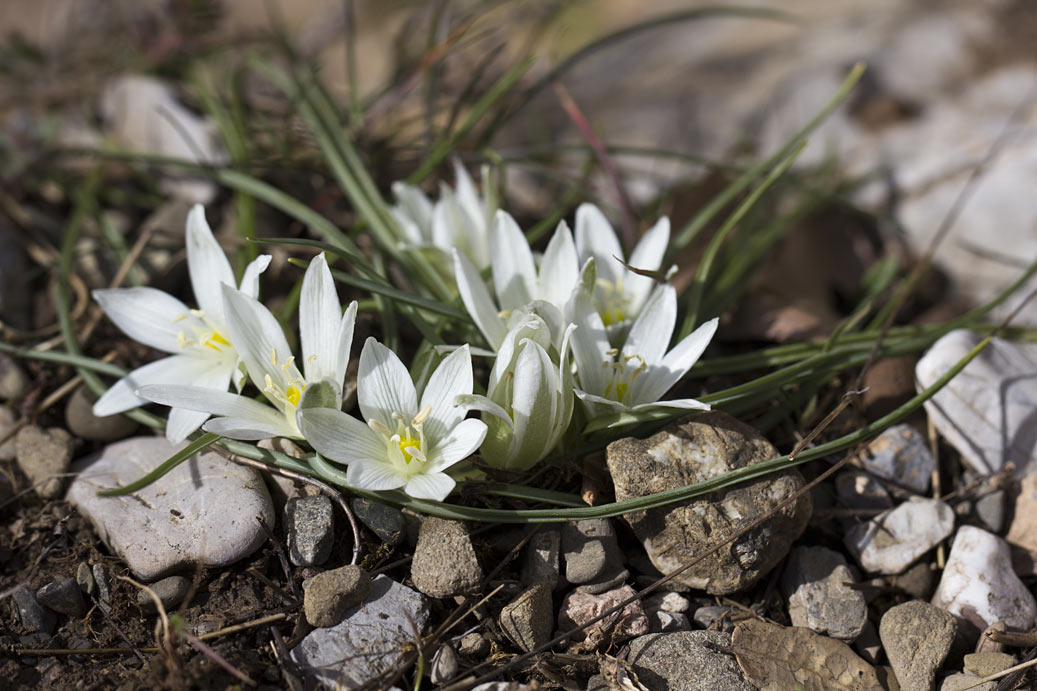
(203, 442)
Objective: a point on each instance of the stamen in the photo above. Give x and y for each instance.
(379, 427)
(180, 317)
(273, 356)
(422, 415)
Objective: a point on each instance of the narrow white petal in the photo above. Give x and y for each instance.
(182, 422)
(477, 300)
(207, 264)
(416, 207)
(596, 238)
(596, 406)
(256, 335)
(589, 343)
(147, 315)
(466, 193)
(250, 279)
(213, 402)
(384, 385)
(451, 379)
(340, 437)
(485, 405)
(374, 476)
(647, 255)
(659, 379)
(319, 315)
(248, 429)
(447, 219)
(514, 273)
(560, 268)
(650, 333)
(681, 403)
(176, 369)
(462, 441)
(434, 486)
(345, 342)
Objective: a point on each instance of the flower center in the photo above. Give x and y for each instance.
(612, 303)
(404, 443)
(204, 335)
(288, 390)
(621, 371)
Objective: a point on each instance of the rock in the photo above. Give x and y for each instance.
(473, 644)
(686, 661)
(986, 411)
(13, 380)
(310, 524)
(917, 581)
(445, 664)
(661, 621)
(1022, 532)
(986, 644)
(7, 423)
(591, 552)
(81, 421)
(990, 510)
(381, 519)
(694, 450)
(979, 585)
(861, 492)
(503, 686)
(207, 510)
(987, 664)
(100, 575)
(171, 591)
(708, 616)
(85, 579)
(64, 597)
(901, 456)
(329, 594)
(540, 560)
(891, 541)
(31, 614)
(967, 682)
(444, 563)
(580, 607)
(370, 639)
(815, 585)
(667, 602)
(917, 637)
(44, 455)
(529, 620)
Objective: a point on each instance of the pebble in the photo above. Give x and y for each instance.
(667, 602)
(990, 510)
(171, 591)
(444, 563)
(891, 541)
(979, 585)
(901, 455)
(697, 449)
(815, 584)
(540, 560)
(329, 594)
(529, 620)
(381, 519)
(967, 682)
(31, 613)
(708, 616)
(7, 422)
(207, 510)
(64, 597)
(445, 664)
(591, 551)
(100, 574)
(580, 607)
(371, 639)
(687, 661)
(81, 421)
(85, 579)
(13, 380)
(474, 644)
(1022, 532)
(984, 412)
(44, 456)
(917, 638)
(917, 581)
(310, 524)
(662, 621)
(986, 664)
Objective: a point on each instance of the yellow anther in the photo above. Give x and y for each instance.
(294, 394)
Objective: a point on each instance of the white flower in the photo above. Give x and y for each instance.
(516, 280)
(620, 293)
(327, 334)
(403, 444)
(637, 375)
(203, 351)
(529, 399)
(460, 219)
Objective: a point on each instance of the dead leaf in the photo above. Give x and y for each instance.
(619, 674)
(776, 658)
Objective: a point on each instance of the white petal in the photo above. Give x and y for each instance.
(589, 343)
(320, 314)
(340, 437)
(647, 255)
(207, 264)
(249, 430)
(596, 238)
(650, 333)
(477, 300)
(384, 386)
(535, 407)
(596, 406)
(466, 193)
(514, 273)
(147, 315)
(213, 374)
(345, 342)
(181, 423)
(434, 486)
(374, 476)
(250, 279)
(257, 336)
(485, 405)
(658, 380)
(213, 402)
(681, 403)
(451, 379)
(559, 269)
(462, 441)
(416, 208)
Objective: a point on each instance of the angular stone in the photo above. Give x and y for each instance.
(529, 619)
(381, 519)
(81, 421)
(85, 579)
(474, 644)
(891, 541)
(207, 510)
(32, 615)
(329, 594)
(966, 682)
(44, 456)
(917, 637)
(444, 563)
(591, 552)
(64, 597)
(901, 455)
(662, 621)
(987, 664)
(445, 664)
(540, 562)
(986, 412)
(697, 449)
(171, 591)
(580, 607)
(310, 525)
(815, 584)
(687, 661)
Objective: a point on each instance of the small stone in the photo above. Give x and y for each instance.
(171, 591)
(528, 620)
(64, 597)
(580, 607)
(85, 579)
(708, 616)
(44, 456)
(917, 581)
(917, 638)
(100, 575)
(329, 594)
(900, 455)
(861, 492)
(473, 644)
(667, 602)
(591, 552)
(7, 423)
(13, 380)
(817, 585)
(381, 519)
(969, 682)
(987, 664)
(444, 664)
(611, 584)
(979, 585)
(310, 524)
(990, 509)
(662, 621)
(32, 615)
(693, 450)
(81, 421)
(540, 562)
(891, 541)
(687, 661)
(444, 563)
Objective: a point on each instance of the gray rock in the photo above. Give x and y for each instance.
(917, 581)
(473, 644)
(986, 412)
(31, 613)
(708, 616)
(171, 591)
(81, 421)
(64, 597)
(591, 552)
(540, 560)
(891, 541)
(85, 579)
(104, 591)
(987, 664)
(381, 519)
(310, 524)
(694, 450)
(815, 584)
(445, 664)
(579, 608)
(207, 510)
(662, 621)
(329, 594)
(667, 602)
(44, 456)
(13, 380)
(901, 455)
(686, 661)
(7, 422)
(969, 682)
(528, 620)
(990, 509)
(369, 641)
(611, 584)
(917, 637)
(444, 563)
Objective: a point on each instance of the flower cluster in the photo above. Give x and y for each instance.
(575, 323)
